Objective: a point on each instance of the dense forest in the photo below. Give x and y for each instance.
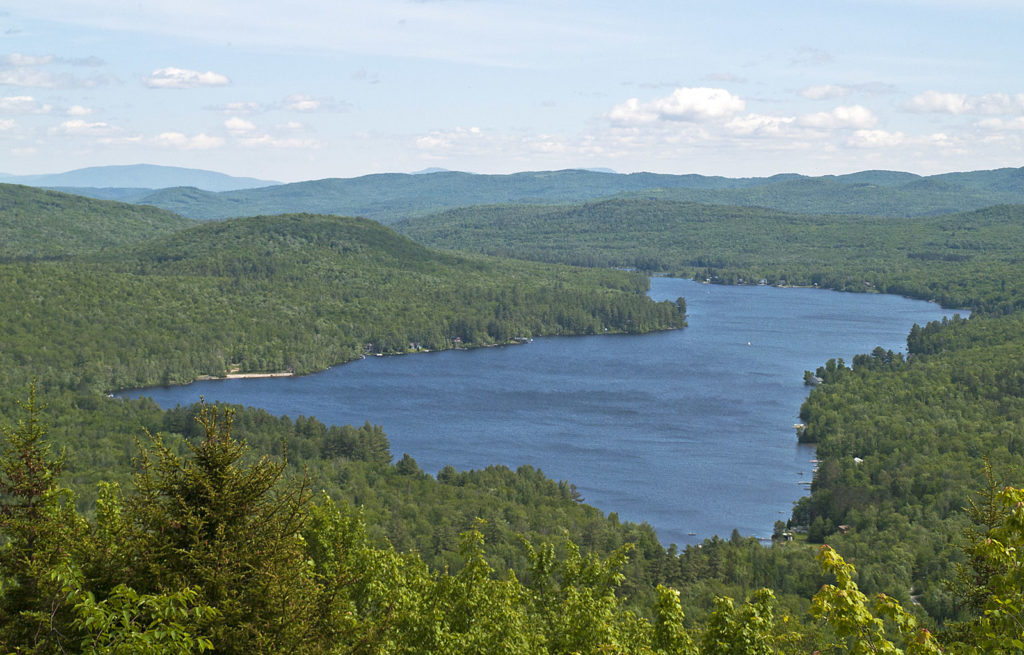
(132, 529)
(959, 260)
(209, 549)
(45, 225)
(290, 293)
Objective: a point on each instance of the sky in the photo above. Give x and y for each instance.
(311, 89)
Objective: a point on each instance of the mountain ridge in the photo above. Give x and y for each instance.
(138, 176)
(392, 197)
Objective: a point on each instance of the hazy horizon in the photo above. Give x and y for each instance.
(316, 90)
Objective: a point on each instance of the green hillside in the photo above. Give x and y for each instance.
(927, 257)
(295, 292)
(37, 224)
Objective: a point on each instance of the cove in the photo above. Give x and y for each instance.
(689, 430)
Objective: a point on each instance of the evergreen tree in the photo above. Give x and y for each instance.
(229, 528)
(41, 528)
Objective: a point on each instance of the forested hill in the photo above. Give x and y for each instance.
(928, 257)
(40, 224)
(391, 197)
(295, 292)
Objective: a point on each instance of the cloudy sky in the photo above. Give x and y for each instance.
(309, 89)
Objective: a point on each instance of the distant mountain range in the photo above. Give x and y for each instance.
(392, 197)
(136, 176)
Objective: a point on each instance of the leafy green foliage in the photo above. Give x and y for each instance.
(129, 623)
(862, 629)
(996, 588)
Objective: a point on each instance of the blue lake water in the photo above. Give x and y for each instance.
(689, 430)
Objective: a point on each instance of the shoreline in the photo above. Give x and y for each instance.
(289, 374)
(245, 376)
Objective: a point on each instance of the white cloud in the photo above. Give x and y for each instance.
(433, 142)
(205, 142)
(825, 92)
(268, 141)
(306, 103)
(30, 77)
(119, 139)
(7, 124)
(941, 140)
(696, 104)
(459, 137)
(78, 127)
(691, 104)
(759, 124)
(39, 78)
(238, 108)
(852, 116)
(180, 78)
(1000, 125)
(78, 110)
(300, 102)
(548, 144)
(18, 69)
(632, 111)
(20, 60)
(998, 103)
(940, 103)
(238, 125)
(197, 142)
(876, 139)
(22, 105)
(961, 103)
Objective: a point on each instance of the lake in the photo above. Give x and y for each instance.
(690, 430)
